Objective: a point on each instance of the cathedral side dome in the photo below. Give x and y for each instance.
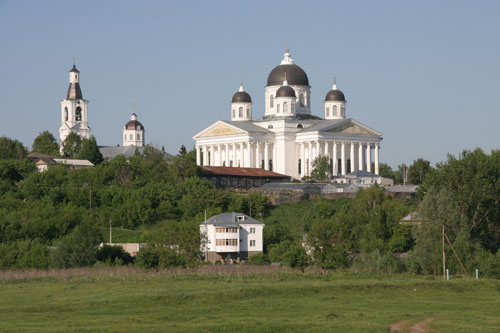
(334, 96)
(285, 91)
(134, 124)
(241, 97)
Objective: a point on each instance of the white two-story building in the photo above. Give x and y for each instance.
(231, 236)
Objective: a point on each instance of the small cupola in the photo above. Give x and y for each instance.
(335, 103)
(241, 105)
(285, 99)
(133, 131)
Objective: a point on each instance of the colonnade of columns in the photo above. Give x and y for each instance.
(344, 156)
(240, 154)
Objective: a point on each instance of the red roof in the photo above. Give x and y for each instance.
(241, 172)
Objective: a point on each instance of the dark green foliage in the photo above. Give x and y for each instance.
(90, 151)
(77, 249)
(160, 257)
(113, 255)
(258, 259)
(418, 171)
(328, 246)
(320, 168)
(385, 171)
(290, 254)
(24, 254)
(11, 149)
(45, 143)
(71, 145)
(377, 262)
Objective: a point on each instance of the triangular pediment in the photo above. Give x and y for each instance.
(219, 129)
(351, 127)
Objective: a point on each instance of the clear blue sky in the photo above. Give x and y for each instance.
(424, 73)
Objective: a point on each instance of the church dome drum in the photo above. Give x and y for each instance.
(294, 75)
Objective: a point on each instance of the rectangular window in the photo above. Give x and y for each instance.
(252, 243)
(252, 230)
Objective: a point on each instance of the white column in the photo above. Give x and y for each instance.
(219, 156)
(303, 159)
(327, 153)
(198, 155)
(266, 156)
(242, 155)
(275, 156)
(376, 158)
(235, 158)
(226, 154)
(257, 155)
(352, 157)
(205, 155)
(309, 162)
(368, 158)
(335, 159)
(249, 158)
(360, 156)
(342, 156)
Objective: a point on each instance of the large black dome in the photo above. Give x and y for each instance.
(241, 97)
(294, 75)
(335, 95)
(285, 91)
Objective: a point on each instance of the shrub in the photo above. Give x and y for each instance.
(113, 255)
(378, 263)
(258, 259)
(160, 257)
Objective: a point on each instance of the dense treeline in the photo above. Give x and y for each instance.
(57, 218)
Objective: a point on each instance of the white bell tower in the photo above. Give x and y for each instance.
(133, 131)
(74, 109)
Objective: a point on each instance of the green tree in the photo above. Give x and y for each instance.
(11, 149)
(291, 254)
(71, 145)
(418, 170)
(327, 244)
(320, 168)
(386, 171)
(182, 151)
(46, 143)
(90, 151)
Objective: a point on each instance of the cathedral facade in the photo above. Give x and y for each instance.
(288, 137)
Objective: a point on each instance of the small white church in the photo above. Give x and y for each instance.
(74, 116)
(288, 137)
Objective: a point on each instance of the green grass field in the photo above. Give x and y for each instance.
(230, 299)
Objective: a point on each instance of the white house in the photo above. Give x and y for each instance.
(231, 236)
(288, 137)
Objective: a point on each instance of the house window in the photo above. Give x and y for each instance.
(328, 112)
(285, 107)
(252, 243)
(252, 230)
(335, 110)
(138, 137)
(240, 112)
(301, 100)
(271, 101)
(131, 137)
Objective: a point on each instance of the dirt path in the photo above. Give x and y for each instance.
(404, 326)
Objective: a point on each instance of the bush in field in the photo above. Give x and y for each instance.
(78, 248)
(24, 254)
(376, 262)
(113, 255)
(258, 259)
(289, 254)
(160, 257)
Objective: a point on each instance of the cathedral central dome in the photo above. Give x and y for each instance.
(294, 75)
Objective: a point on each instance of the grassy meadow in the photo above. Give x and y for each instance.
(244, 298)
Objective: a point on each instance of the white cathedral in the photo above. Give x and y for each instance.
(74, 116)
(288, 138)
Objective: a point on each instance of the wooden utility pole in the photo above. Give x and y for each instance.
(110, 232)
(456, 256)
(444, 256)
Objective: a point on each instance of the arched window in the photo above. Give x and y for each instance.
(271, 101)
(277, 108)
(342, 110)
(78, 114)
(234, 113)
(240, 112)
(301, 100)
(131, 137)
(328, 112)
(335, 110)
(285, 107)
(270, 126)
(138, 137)
(300, 126)
(66, 114)
(293, 107)
(248, 113)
